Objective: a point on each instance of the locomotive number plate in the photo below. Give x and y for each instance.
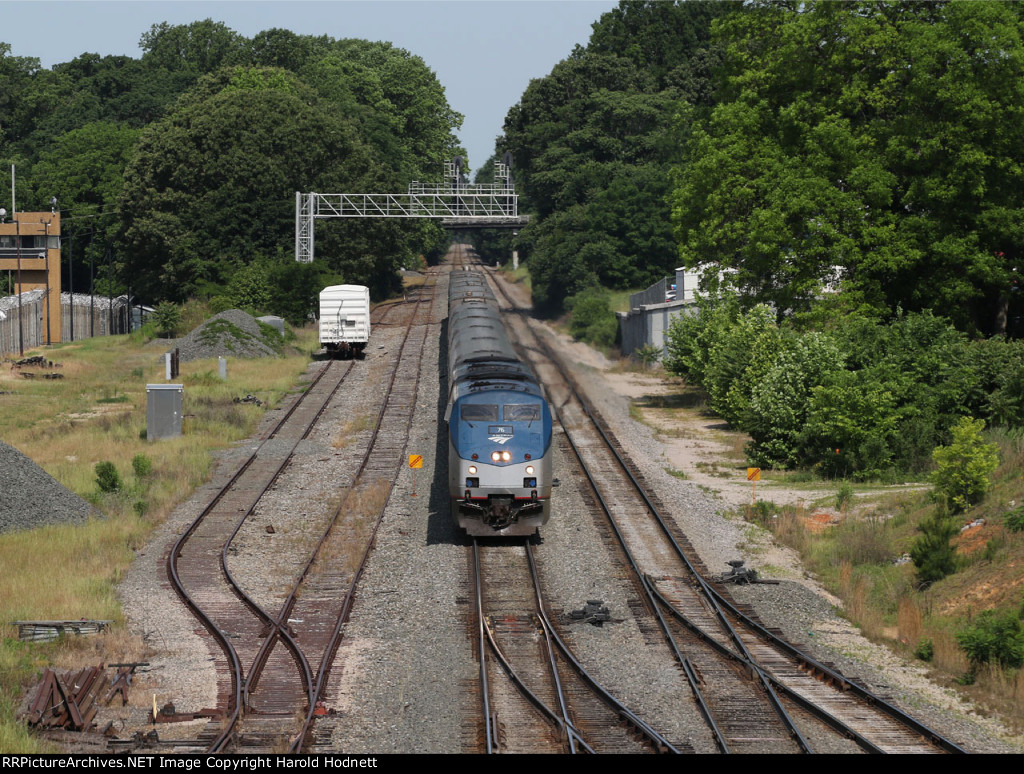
(495, 432)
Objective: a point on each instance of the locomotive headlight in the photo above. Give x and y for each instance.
(472, 470)
(506, 456)
(529, 470)
(496, 456)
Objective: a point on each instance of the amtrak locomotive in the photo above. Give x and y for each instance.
(499, 424)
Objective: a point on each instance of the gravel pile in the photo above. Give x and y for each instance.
(32, 497)
(229, 334)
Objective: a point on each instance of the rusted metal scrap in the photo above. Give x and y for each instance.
(37, 361)
(67, 701)
(122, 681)
(71, 700)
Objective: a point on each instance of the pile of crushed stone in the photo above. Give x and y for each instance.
(32, 497)
(229, 334)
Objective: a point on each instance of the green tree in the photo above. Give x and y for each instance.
(992, 637)
(167, 318)
(16, 76)
(932, 554)
(84, 169)
(591, 145)
(197, 48)
(213, 185)
(692, 335)
(852, 423)
(868, 144)
(965, 465)
(740, 357)
(781, 400)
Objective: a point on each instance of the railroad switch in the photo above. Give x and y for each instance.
(741, 575)
(595, 612)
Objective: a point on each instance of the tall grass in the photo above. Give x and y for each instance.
(67, 426)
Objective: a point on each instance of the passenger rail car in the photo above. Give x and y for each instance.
(499, 424)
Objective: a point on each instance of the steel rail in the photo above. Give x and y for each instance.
(826, 717)
(235, 702)
(325, 663)
(684, 662)
(490, 730)
(660, 742)
(718, 600)
(565, 726)
(259, 662)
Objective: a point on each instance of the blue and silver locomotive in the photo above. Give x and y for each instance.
(499, 424)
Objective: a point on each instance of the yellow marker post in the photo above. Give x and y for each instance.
(753, 474)
(415, 462)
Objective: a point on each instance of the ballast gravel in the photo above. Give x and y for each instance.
(404, 676)
(232, 333)
(32, 497)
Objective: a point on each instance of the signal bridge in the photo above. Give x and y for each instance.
(456, 203)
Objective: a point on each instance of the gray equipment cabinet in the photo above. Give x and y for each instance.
(163, 411)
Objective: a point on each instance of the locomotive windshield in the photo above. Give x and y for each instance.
(479, 412)
(521, 412)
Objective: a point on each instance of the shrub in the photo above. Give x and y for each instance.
(932, 554)
(142, 465)
(250, 287)
(965, 465)
(592, 318)
(220, 304)
(1014, 520)
(780, 401)
(166, 317)
(925, 649)
(851, 423)
(107, 477)
(844, 496)
(648, 354)
(690, 337)
(740, 358)
(993, 637)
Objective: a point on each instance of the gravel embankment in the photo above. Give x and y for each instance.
(32, 497)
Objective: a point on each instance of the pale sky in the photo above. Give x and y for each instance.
(484, 52)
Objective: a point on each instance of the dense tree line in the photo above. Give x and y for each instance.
(789, 148)
(857, 398)
(592, 148)
(849, 176)
(177, 170)
(873, 147)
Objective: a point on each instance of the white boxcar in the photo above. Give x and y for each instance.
(344, 319)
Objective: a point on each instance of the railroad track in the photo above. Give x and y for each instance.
(323, 600)
(757, 693)
(264, 674)
(536, 696)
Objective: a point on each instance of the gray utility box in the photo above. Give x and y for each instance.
(163, 411)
